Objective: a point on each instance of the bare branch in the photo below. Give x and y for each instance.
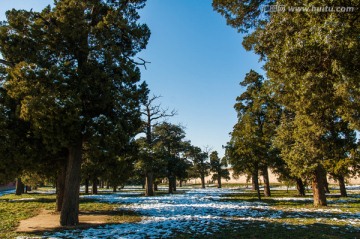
(155, 112)
(207, 149)
(142, 63)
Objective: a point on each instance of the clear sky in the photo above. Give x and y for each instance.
(197, 62)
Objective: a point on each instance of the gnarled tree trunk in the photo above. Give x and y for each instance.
(70, 207)
(318, 186)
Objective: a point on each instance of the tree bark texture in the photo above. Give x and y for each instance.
(70, 207)
(318, 186)
(174, 183)
(87, 186)
(60, 187)
(219, 180)
(95, 186)
(265, 174)
(254, 178)
(300, 187)
(255, 181)
(170, 184)
(202, 181)
(149, 184)
(19, 187)
(341, 181)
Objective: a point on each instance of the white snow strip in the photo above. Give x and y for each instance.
(195, 212)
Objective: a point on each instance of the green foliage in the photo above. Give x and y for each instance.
(218, 166)
(72, 71)
(169, 145)
(200, 163)
(312, 62)
(250, 147)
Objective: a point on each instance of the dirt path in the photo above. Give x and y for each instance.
(48, 220)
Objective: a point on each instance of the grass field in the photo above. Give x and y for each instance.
(14, 208)
(284, 215)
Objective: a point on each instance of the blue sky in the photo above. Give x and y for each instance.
(197, 62)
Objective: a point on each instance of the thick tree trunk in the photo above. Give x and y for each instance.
(255, 181)
(114, 189)
(318, 186)
(254, 178)
(265, 174)
(202, 181)
(174, 183)
(19, 187)
(180, 183)
(300, 187)
(70, 207)
(341, 181)
(87, 186)
(170, 184)
(60, 187)
(219, 180)
(149, 184)
(94, 186)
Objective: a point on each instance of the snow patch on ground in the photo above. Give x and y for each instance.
(196, 212)
(2, 193)
(23, 199)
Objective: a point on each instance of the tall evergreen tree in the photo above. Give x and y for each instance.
(70, 67)
(250, 148)
(200, 163)
(312, 61)
(218, 167)
(168, 144)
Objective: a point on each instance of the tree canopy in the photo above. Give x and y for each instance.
(71, 70)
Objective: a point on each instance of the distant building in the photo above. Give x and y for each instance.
(272, 178)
